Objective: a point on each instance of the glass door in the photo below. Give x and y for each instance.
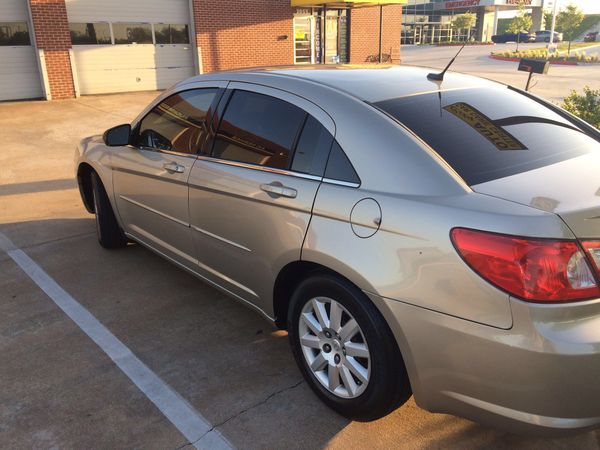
(418, 34)
(303, 40)
(331, 38)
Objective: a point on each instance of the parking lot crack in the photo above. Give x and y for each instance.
(52, 241)
(242, 412)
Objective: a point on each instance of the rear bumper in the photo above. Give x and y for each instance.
(540, 377)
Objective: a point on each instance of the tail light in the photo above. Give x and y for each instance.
(540, 270)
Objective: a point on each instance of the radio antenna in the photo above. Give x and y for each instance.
(440, 76)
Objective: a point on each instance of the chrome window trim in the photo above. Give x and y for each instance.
(341, 183)
(256, 167)
(166, 152)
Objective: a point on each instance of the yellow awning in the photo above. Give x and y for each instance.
(346, 3)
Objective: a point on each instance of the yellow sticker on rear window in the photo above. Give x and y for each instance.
(501, 139)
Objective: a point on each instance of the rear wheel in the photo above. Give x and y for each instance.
(345, 349)
(109, 232)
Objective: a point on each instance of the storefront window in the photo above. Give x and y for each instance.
(343, 37)
(321, 36)
(331, 38)
(303, 39)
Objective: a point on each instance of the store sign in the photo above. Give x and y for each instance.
(461, 4)
(466, 4)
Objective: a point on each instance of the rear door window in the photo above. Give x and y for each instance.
(312, 149)
(339, 167)
(490, 133)
(258, 129)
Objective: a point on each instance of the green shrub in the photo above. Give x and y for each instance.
(585, 106)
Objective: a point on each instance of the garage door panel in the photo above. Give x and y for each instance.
(131, 67)
(19, 74)
(156, 11)
(19, 71)
(13, 11)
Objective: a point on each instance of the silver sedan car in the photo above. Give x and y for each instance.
(435, 238)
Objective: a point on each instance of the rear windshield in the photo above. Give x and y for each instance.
(490, 133)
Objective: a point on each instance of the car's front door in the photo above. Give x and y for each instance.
(251, 198)
(150, 175)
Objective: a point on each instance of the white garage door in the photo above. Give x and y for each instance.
(19, 72)
(132, 45)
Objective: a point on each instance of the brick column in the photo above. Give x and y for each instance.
(364, 34)
(51, 27)
(233, 34)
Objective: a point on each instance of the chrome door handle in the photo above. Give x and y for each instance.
(279, 190)
(174, 168)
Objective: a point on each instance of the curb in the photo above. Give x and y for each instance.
(560, 63)
(468, 45)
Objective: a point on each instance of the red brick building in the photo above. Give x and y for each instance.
(64, 48)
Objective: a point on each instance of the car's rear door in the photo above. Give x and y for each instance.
(251, 196)
(150, 176)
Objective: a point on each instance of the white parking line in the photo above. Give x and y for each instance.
(186, 419)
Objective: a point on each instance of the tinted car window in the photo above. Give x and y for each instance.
(179, 123)
(312, 149)
(490, 133)
(339, 166)
(258, 129)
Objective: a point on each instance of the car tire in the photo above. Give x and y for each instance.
(110, 234)
(387, 385)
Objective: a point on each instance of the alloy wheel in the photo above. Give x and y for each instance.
(334, 347)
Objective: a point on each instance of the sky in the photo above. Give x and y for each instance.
(588, 6)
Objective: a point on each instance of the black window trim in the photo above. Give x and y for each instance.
(209, 116)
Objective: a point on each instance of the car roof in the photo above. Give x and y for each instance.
(371, 83)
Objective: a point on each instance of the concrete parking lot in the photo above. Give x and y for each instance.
(58, 389)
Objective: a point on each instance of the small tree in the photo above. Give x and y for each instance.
(465, 21)
(548, 19)
(586, 106)
(567, 22)
(521, 22)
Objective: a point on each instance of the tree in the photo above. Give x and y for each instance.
(567, 22)
(548, 19)
(465, 21)
(521, 22)
(586, 106)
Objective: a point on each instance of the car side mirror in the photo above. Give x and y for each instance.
(117, 136)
